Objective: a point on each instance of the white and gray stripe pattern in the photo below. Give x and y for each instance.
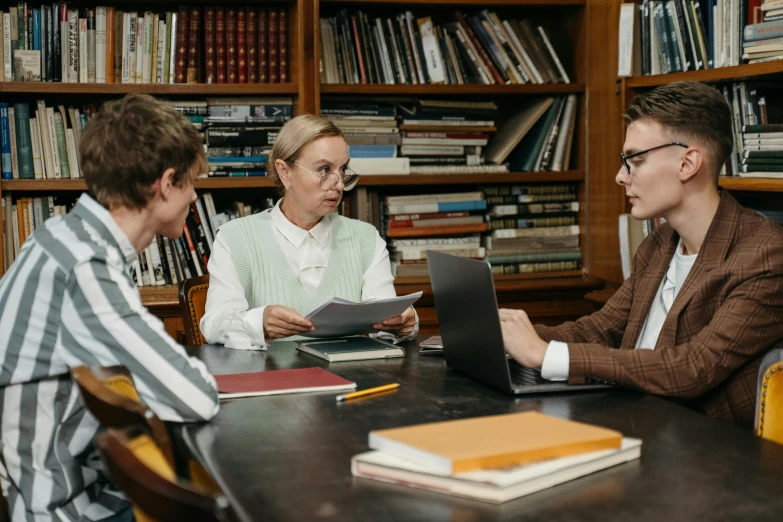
(68, 300)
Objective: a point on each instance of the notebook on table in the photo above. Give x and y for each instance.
(351, 349)
(277, 382)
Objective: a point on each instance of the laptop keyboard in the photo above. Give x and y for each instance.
(523, 376)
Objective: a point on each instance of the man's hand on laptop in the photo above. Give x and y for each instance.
(520, 338)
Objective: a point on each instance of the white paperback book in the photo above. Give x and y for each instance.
(493, 485)
(341, 318)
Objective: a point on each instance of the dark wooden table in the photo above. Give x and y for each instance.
(288, 457)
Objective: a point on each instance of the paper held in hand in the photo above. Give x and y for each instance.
(340, 317)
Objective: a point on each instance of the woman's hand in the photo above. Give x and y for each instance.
(282, 321)
(400, 325)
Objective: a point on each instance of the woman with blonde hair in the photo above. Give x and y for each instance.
(269, 270)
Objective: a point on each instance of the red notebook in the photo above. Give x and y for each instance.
(280, 381)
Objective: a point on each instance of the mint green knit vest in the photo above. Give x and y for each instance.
(268, 279)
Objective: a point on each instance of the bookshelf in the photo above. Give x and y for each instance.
(163, 300)
(547, 297)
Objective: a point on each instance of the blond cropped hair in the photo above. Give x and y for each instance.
(294, 136)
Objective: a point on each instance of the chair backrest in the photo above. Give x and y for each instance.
(192, 303)
(769, 397)
(139, 468)
(110, 394)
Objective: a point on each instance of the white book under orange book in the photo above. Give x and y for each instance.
(493, 485)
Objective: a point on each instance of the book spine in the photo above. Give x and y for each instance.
(5, 142)
(210, 45)
(273, 46)
(194, 33)
(231, 46)
(12, 138)
(220, 44)
(489, 62)
(119, 42)
(241, 45)
(107, 48)
(183, 26)
(62, 147)
(24, 147)
(92, 55)
(282, 43)
(263, 46)
(252, 45)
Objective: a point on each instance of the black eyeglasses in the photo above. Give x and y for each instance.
(625, 158)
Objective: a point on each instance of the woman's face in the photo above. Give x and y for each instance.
(325, 156)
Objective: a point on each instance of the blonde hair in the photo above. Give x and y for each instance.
(294, 136)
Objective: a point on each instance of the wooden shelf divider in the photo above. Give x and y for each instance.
(736, 72)
(203, 89)
(752, 184)
(367, 180)
(377, 89)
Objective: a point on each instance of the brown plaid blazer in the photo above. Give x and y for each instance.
(728, 312)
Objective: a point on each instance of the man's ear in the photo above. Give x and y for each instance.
(692, 162)
(283, 173)
(164, 184)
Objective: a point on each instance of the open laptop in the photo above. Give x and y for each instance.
(467, 310)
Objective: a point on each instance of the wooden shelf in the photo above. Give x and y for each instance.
(463, 2)
(456, 179)
(166, 295)
(752, 184)
(545, 88)
(367, 181)
(535, 280)
(149, 88)
(710, 75)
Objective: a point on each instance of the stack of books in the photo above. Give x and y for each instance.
(532, 228)
(473, 48)
(492, 459)
(763, 39)
(758, 140)
(239, 132)
(22, 216)
(433, 221)
(371, 131)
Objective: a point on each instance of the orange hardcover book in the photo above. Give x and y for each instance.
(441, 230)
(109, 45)
(492, 442)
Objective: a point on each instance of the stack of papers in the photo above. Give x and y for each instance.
(343, 318)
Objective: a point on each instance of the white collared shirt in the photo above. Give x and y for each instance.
(556, 361)
(228, 319)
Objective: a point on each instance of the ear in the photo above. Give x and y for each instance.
(164, 184)
(692, 163)
(283, 172)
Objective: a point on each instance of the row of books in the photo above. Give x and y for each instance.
(479, 48)
(41, 144)
(22, 216)
(169, 261)
(60, 43)
(758, 141)
(517, 228)
(666, 36)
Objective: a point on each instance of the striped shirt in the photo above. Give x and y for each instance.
(69, 300)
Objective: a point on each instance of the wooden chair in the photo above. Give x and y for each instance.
(192, 302)
(137, 465)
(110, 394)
(769, 398)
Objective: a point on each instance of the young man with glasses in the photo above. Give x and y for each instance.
(269, 270)
(705, 298)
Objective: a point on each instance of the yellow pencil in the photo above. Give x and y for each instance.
(368, 391)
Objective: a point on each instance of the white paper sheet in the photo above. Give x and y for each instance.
(340, 317)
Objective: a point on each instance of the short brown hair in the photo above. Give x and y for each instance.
(295, 135)
(130, 143)
(689, 110)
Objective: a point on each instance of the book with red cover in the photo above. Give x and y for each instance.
(194, 34)
(182, 40)
(282, 46)
(272, 46)
(210, 45)
(263, 44)
(231, 44)
(241, 45)
(252, 45)
(220, 42)
(280, 381)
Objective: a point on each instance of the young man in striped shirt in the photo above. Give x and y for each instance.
(69, 299)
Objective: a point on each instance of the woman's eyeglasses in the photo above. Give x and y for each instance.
(330, 179)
